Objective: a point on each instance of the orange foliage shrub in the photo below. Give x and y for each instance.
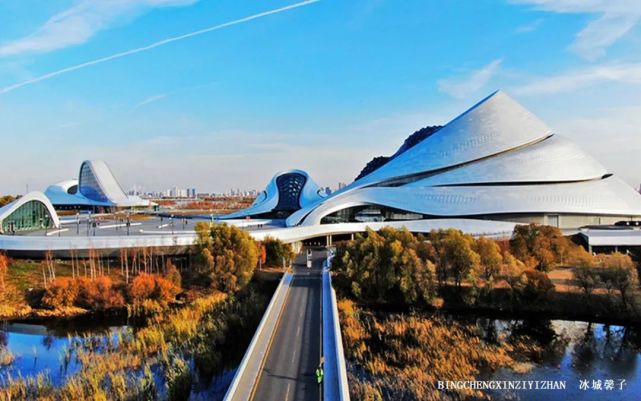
(99, 293)
(62, 292)
(152, 287)
(142, 287)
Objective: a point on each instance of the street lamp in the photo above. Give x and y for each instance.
(171, 220)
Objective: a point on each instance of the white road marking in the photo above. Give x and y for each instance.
(287, 394)
(56, 232)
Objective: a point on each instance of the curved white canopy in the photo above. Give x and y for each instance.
(37, 196)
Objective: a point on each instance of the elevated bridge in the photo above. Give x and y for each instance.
(300, 329)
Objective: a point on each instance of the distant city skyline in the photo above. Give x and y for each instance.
(219, 95)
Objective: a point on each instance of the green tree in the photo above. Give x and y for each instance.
(276, 251)
(384, 267)
(227, 256)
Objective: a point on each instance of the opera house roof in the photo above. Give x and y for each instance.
(496, 158)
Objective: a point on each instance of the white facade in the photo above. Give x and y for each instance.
(496, 161)
(96, 186)
(7, 211)
(286, 192)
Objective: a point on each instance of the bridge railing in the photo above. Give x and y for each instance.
(335, 386)
(248, 372)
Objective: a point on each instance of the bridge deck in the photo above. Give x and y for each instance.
(289, 369)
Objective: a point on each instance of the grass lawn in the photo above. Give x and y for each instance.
(25, 274)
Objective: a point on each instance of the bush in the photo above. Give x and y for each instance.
(142, 287)
(151, 287)
(62, 292)
(98, 294)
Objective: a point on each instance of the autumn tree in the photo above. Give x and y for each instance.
(489, 257)
(456, 256)
(587, 279)
(511, 270)
(4, 270)
(227, 256)
(533, 286)
(539, 247)
(172, 274)
(6, 199)
(619, 272)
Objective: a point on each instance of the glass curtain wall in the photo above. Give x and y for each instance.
(33, 215)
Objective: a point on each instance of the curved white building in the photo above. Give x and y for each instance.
(32, 211)
(96, 186)
(287, 192)
(496, 161)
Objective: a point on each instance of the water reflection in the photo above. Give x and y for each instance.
(569, 351)
(37, 349)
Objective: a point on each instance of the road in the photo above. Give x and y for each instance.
(289, 370)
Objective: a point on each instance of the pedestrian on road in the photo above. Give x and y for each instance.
(319, 374)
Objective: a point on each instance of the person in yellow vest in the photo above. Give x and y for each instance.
(319, 373)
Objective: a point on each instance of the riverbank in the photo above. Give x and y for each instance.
(180, 351)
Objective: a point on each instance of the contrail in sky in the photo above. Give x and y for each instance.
(154, 45)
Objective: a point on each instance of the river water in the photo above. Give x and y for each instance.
(568, 352)
(592, 361)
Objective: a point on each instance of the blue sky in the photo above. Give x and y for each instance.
(323, 86)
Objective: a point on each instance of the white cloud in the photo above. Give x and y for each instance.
(627, 73)
(615, 19)
(611, 135)
(463, 87)
(78, 24)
